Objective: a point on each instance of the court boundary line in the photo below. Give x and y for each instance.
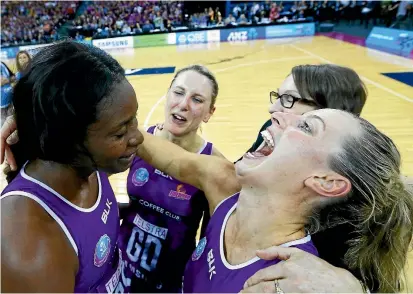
(362, 77)
(152, 110)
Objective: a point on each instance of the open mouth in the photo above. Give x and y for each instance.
(265, 149)
(179, 119)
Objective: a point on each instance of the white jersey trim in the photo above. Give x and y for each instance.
(199, 151)
(255, 259)
(222, 201)
(29, 178)
(49, 211)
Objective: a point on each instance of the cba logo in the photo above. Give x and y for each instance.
(199, 249)
(102, 250)
(140, 177)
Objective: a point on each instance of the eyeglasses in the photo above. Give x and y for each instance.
(287, 100)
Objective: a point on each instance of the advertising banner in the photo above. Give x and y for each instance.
(242, 34)
(113, 43)
(290, 30)
(9, 53)
(150, 40)
(391, 40)
(191, 37)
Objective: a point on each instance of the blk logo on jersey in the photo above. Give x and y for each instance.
(210, 260)
(102, 250)
(140, 177)
(106, 211)
(180, 193)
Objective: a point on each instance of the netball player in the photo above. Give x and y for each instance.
(311, 87)
(159, 227)
(76, 116)
(316, 170)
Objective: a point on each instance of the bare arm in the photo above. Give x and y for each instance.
(36, 255)
(211, 174)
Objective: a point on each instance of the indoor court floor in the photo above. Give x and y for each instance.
(248, 71)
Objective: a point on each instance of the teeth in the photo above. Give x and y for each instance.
(179, 117)
(268, 138)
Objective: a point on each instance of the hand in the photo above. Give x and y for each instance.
(8, 137)
(159, 126)
(300, 272)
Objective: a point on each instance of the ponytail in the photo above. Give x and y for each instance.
(379, 206)
(384, 236)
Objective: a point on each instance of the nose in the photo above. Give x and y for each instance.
(276, 107)
(136, 139)
(284, 119)
(184, 102)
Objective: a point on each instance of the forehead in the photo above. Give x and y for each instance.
(337, 123)
(119, 106)
(194, 82)
(288, 84)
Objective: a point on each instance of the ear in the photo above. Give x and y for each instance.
(332, 185)
(208, 116)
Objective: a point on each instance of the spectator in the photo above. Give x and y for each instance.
(23, 63)
(147, 27)
(230, 19)
(7, 78)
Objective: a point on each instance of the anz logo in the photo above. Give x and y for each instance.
(162, 174)
(236, 36)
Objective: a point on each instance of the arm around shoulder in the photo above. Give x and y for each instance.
(36, 255)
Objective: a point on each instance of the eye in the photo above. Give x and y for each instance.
(197, 100)
(178, 92)
(303, 125)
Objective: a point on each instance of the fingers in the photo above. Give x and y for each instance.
(264, 287)
(13, 138)
(9, 126)
(267, 274)
(10, 159)
(276, 252)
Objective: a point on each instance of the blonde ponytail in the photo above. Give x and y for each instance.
(380, 208)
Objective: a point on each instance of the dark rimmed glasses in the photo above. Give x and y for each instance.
(287, 100)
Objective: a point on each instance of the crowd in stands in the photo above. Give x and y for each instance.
(38, 21)
(112, 18)
(33, 22)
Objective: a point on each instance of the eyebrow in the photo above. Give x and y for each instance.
(196, 93)
(124, 122)
(319, 118)
(290, 92)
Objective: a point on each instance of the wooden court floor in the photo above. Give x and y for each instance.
(247, 72)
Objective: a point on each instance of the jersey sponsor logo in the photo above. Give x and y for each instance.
(180, 193)
(159, 209)
(140, 177)
(158, 172)
(102, 250)
(150, 228)
(106, 211)
(199, 249)
(210, 260)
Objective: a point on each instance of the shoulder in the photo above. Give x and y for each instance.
(216, 152)
(33, 242)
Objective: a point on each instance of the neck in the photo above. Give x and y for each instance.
(62, 178)
(190, 142)
(270, 223)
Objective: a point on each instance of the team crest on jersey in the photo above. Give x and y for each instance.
(140, 177)
(180, 193)
(199, 249)
(102, 250)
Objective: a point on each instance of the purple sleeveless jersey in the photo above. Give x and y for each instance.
(92, 232)
(208, 270)
(159, 228)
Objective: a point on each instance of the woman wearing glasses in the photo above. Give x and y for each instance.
(311, 87)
